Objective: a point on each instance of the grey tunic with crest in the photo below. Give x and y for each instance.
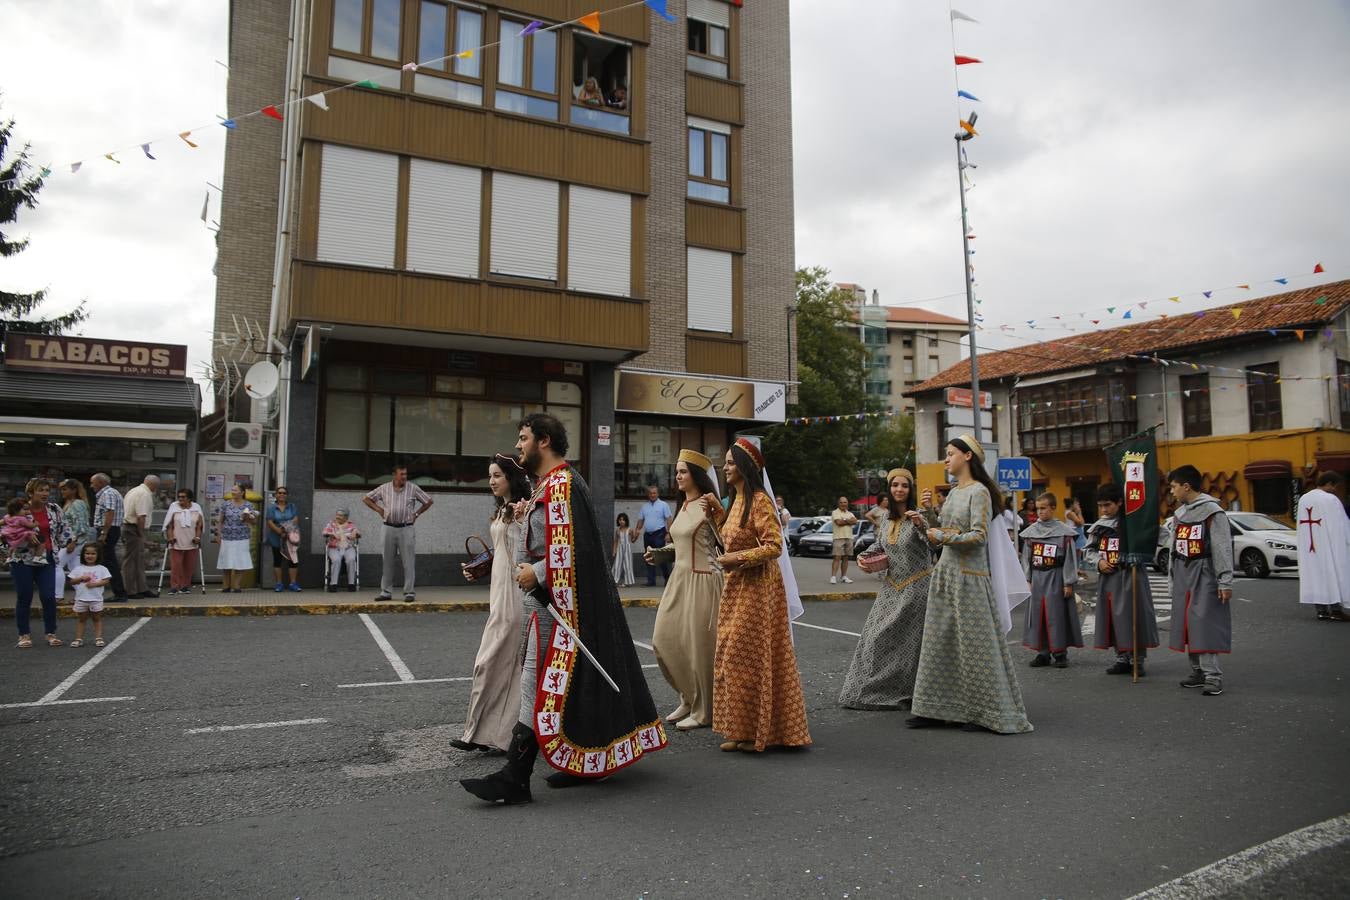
(1052, 623)
(1116, 594)
(1201, 622)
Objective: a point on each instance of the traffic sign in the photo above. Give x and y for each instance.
(1014, 473)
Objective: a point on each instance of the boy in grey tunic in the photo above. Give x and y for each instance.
(1202, 580)
(1125, 617)
(1051, 564)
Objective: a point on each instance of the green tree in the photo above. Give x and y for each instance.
(888, 443)
(18, 190)
(813, 465)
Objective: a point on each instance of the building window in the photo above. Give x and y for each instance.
(909, 365)
(1083, 414)
(600, 83)
(599, 241)
(367, 28)
(647, 449)
(709, 37)
(709, 164)
(443, 32)
(1271, 496)
(358, 207)
(527, 71)
(932, 343)
(934, 365)
(524, 227)
(444, 427)
(1343, 390)
(1195, 406)
(1263, 397)
(444, 218)
(710, 290)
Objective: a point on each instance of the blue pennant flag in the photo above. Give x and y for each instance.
(967, 94)
(659, 7)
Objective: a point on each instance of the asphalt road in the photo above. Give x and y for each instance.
(1120, 788)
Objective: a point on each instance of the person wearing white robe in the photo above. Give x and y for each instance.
(1324, 549)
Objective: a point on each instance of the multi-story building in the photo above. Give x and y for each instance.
(588, 217)
(905, 346)
(1258, 401)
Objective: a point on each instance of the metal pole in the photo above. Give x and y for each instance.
(970, 297)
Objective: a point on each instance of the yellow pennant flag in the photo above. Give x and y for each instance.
(1237, 313)
(591, 21)
(109, 157)
(1175, 299)
(466, 54)
(184, 136)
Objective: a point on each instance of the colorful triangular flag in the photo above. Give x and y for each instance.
(272, 112)
(110, 158)
(1318, 270)
(464, 54)
(318, 100)
(1207, 293)
(145, 148)
(1299, 332)
(1237, 313)
(229, 123)
(367, 83)
(1245, 287)
(1127, 315)
(966, 60)
(968, 128)
(184, 136)
(531, 29)
(968, 95)
(75, 167)
(1281, 280)
(591, 21)
(1320, 301)
(659, 7)
(1175, 299)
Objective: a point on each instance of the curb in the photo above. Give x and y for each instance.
(119, 610)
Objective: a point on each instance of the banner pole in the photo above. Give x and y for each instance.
(1134, 622)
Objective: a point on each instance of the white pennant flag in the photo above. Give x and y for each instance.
(958, 16)
(206, 202)
(318, 100)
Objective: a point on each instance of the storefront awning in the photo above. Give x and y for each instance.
(1268, 468)
(84, 428)
(1332, 459)
(39, 394)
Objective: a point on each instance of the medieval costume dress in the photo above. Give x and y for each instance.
(881, 674)
(1051, 564)
(1122, 595)
(1323, 554)
(965, 670)
(757, 690)
(494, 701)
(1202, 565)
(569, 713)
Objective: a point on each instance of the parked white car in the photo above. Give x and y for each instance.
(1261, 545)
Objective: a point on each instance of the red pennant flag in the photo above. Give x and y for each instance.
(966, 60)
(1245, 287)
(271, 112)
(1318, 270)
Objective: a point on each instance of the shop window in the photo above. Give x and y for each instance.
(1263, 397)
(709, 165)
(1343, 390)
(646, 451)
(458, 384)
(709, 37)
(1195, 415)
(443, 32)
(600, 83)
(527, 71)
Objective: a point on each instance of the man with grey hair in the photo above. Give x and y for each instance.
(108, 516)
(138, 505)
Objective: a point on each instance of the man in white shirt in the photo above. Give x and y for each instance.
(783, 515)
(137, 508)
(843, 521)
(399, 504)
(654, 518)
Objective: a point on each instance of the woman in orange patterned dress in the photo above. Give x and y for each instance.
(757, 691)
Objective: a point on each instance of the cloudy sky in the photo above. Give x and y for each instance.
(1127, 151)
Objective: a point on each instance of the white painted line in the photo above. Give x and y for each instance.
(55, 693)
(644, 646)
(366, 684)
(65, 702)
(254, 725)
(652, 666)
(400, 669)
(800, 624)
(1234, 871)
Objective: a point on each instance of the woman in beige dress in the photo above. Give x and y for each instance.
(494, 701)
(685, 635)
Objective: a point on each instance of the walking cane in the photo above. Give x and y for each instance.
(1134, 622)
(201, 568)
(162, 563)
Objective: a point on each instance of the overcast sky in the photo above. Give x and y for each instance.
(1127, 151)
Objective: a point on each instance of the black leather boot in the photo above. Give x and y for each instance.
(511, 783)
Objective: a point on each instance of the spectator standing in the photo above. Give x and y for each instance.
(75, 510)
(38, 571)
(283, 517)
(399, 504)
(108, 516)
(654, 519)
(183, 525)
(137, 507)
(234, 537)
(783, 515)
(842, 521)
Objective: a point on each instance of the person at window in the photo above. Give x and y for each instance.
(1050, 561)
(494, 700)
(234, 534)
(36, 569)
(842, 522)
(399, 505)
(138, 505)
(684, 637)
(283, 539)
(108, 517)
(590, 93)
(619, 99)
(1324, 549)
(183, 526)
(75, 510)
(1125, 617)
(654, 520)
(622, 551)
(341, 538)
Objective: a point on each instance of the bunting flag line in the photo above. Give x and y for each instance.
(968, 128)
(110, 158)
(1317, 269)
(319, 100)
(75, 167)
(184, 136)
(272, 112)
(229, 123)
(659, 7)
(145, 148)
(206, 203)
(591, 21)
(958, 16)
(531, 28)
(966, 60)
(968, 95)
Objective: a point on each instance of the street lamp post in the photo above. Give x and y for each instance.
(962, 136)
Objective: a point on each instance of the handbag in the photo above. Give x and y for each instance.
(480, 566)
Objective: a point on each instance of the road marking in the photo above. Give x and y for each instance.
(800, 624)
(400, 669)
(1232, 872)
(55, 693)
(366, 684)
(644, 646)
(65, 702)
(254, 725)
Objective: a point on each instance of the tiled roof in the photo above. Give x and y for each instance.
(915, 315)
(1171, 334)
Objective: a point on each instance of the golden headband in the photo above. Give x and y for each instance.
(694, 458)
(754, 452)
(972, 445)
(894, 473)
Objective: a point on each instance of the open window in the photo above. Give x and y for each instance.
(709, 37)
(601, 70)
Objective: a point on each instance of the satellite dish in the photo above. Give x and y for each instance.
(261, 379)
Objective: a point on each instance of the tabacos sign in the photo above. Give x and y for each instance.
(95, 356)
(678, 395)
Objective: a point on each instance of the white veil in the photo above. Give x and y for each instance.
(1009, 581)
(794, 594)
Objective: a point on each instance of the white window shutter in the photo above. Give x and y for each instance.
(358, 207)
(599, 241)
(709, 280)
(524, 226)
(716, 12)
(444, 211)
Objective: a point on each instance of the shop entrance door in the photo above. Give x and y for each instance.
(217, 473)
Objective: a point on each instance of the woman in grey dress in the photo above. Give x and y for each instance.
(881, 675)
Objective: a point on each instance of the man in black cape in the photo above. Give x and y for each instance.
(585, 730)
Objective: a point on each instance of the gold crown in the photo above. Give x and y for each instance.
(1130, 456)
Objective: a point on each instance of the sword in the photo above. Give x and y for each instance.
(587, 653)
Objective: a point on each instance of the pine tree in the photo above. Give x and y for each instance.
(18, 190)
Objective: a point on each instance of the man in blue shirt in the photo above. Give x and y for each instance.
(654, 518)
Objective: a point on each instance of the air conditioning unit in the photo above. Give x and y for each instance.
(243, 437)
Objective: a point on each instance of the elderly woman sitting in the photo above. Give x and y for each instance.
(341, 537)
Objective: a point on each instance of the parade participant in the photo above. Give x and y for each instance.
(341, 537)
(622, 551)
(684, 637)
(89, 579)
(1125, 617)
(183, 525)
(965, 671)
(757, 690)
(494, 701)
(1050, 561)
(568, 711)
(881, 675)
(399, 505)
(1202, 580)
(1324, 549)
(842, 522)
